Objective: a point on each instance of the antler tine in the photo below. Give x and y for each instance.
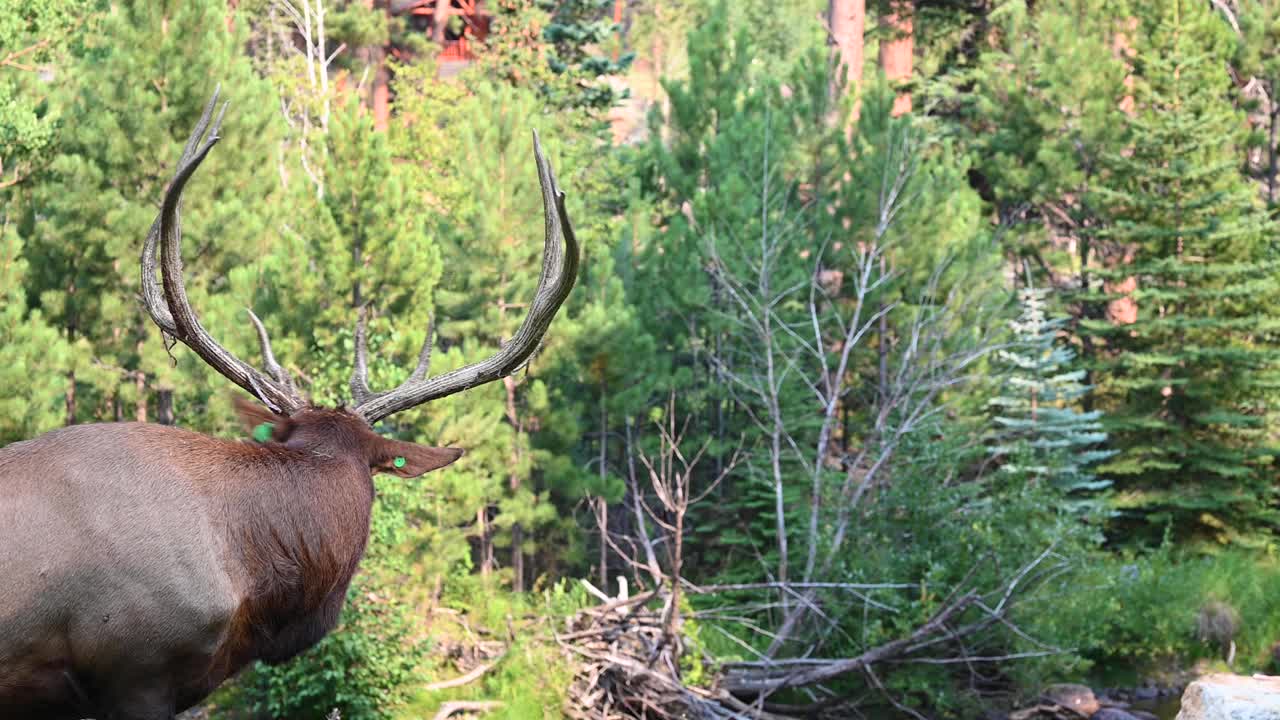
(269, 358)
(171, 309)
(152, 293)
(559, 271)
(424, 355)
(360, 392)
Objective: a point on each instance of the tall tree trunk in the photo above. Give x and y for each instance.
(1123, 310)
(897, 50)
(375, 59)
(164, 406)
(70, 418)
(847, 20)
(1274, 116)
(440, 21)
(140, 386)
(617, 22)
(517, 532)
(603, 511)
(381, 91)
(485, 540)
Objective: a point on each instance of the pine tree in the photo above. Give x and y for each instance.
(139, 86)
(32, 355)
(1187, 386)
(1039, 435)
(34, 35)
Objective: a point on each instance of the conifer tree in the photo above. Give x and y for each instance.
(34, 35)
(1039, 435)
(140, 83)
(32, 355)
(1187, 385)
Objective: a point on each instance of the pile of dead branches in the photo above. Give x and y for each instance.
(627, 662)
(627, 654)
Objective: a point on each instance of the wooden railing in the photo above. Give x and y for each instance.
(455, 50)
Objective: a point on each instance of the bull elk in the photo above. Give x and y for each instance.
(143, 565)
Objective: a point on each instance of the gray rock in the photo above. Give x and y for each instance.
(1231, 697)
(1079, 698)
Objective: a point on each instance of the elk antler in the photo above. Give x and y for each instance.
(559, 270)
(169, 307)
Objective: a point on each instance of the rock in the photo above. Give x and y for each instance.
(1078, 698)
(1110, 713)
(1231, 697)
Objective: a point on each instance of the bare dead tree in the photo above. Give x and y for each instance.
(783, 352)
(305, 107)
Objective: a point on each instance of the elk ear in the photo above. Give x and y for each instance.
(260, 423)
(408, 460)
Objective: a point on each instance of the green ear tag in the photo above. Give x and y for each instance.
(399, 462)
(262, 433)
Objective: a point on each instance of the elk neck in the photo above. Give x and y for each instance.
(294, 519)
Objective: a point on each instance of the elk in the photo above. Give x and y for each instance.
(143, 564)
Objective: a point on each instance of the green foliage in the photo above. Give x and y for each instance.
(531, 677)
(1185, 385)
(33, 356)
(1039, 434)
(1133, 616)
(138, 89)
(34, 36)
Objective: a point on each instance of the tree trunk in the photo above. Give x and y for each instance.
(897, 50)
(517, 532)
(140, 386)
(1271, 144)
(1123, 310)
(440, 21)
(375, 58)
(70, 418)
(847, 20)
(486, 541)
(381, 91)
(164, 406)
(603, 511)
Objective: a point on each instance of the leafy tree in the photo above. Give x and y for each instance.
(1187, 385)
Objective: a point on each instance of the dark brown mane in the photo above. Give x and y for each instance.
(295, 522)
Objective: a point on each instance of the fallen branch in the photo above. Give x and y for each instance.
(759, 678)
(470, 677)
(476, 706)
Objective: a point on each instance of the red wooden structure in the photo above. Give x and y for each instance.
(456, 42)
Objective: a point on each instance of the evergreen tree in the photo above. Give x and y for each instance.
(34, 35)
(32, 355)
(1039, 435)
(1041, 108)
(139, 87)
(1187, 386)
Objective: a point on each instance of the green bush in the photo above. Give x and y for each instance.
(1129, 617)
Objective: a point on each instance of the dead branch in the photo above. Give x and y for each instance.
(470, 677)
(471, 706)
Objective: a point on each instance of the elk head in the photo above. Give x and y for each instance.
(290, 418)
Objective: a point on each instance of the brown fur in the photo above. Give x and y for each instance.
(154, 563)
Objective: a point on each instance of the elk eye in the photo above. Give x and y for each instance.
(262, 433)
(398, 462)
